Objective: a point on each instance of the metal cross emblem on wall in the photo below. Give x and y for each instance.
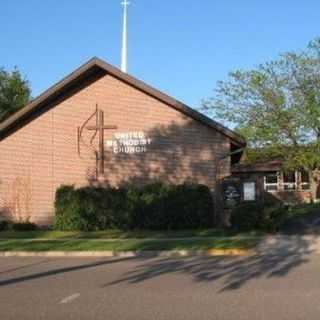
(99, 129)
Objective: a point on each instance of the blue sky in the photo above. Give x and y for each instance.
(180, 47)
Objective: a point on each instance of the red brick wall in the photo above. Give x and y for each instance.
(43, 154)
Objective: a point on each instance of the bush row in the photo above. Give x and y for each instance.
(155, 207)
(265, 216)
(17, 226)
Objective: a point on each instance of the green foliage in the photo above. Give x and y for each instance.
(67, 209)
(4, 225)
(14, 93)
(155, 207)
(244, 217)
(23, 226)
(301, 218)
(276, 106)
(267, 216)
(169, 207)
(261, 155)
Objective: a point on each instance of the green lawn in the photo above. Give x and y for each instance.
(127, 245)
(117, 240)
(118, 234)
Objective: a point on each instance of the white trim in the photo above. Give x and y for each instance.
(294, 184)
(297, 185)
(305, 183)
(265, 184)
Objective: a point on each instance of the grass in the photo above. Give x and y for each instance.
(117, 240)
(119, 234)
(128, 245)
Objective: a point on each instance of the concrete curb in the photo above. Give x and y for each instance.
(130, 254)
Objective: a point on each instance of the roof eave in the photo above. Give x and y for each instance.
(96, 62)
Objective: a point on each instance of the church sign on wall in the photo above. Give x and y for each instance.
(128, 142)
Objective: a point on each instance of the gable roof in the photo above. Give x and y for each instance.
(95, 65)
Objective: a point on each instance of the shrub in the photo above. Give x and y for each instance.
(4, 225)
(265, 216)
(17, 225)
(23, 226)
(273, 218)
(245, 216)
(169, 207)
(63, 196)
(155, 206)
(67, 209)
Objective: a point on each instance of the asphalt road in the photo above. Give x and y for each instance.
(273, 285)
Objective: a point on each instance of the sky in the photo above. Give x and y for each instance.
(180, 47)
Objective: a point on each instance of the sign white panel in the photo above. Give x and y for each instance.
(129, 142)
(249, 191)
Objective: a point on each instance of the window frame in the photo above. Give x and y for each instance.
(308, 183)
(299, 185)
(277, 184)
(295, 183)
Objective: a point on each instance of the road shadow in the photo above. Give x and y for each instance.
(275, 257)
(57, 271)
(25, 266)
(272, 260)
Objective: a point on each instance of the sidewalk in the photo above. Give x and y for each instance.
(289, 244)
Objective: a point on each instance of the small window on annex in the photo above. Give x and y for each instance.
(271, 182)
(290, 181)
(305, 180)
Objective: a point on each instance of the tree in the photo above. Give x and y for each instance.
(276, 107)
(14, 92)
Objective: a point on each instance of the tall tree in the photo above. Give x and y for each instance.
(14, 92)
(276, 106)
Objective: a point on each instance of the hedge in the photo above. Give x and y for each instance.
(17, 226)
(265, 216)
(154, 207)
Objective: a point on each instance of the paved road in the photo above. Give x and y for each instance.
(278, 284)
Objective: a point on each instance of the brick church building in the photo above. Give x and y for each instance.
(100, 125)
